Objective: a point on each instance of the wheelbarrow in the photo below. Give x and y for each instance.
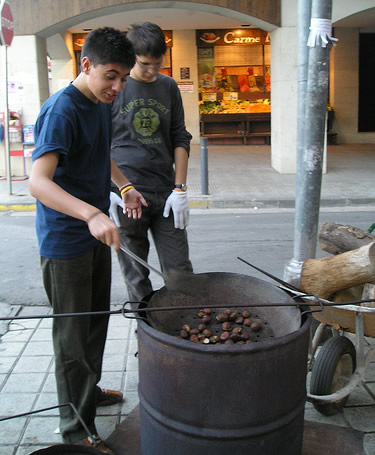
(340, 365)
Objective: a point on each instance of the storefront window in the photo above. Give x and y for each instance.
(234, 71)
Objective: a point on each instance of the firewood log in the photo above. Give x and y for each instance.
(338, 238)
(323, 277)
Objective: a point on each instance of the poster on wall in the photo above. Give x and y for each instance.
(206, 70)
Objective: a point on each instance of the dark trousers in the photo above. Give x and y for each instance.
(79, 284)
(171, 245)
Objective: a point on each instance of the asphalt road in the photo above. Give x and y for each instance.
(216, 238)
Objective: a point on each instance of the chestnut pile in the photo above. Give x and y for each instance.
(235, 327)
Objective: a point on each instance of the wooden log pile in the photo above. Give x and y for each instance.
(347, 275)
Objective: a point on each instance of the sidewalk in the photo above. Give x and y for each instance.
(239, 177)
(242, 177)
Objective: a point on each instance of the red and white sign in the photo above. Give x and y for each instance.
(6, 24)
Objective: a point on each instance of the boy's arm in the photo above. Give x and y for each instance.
(181, 158)
(43, 188)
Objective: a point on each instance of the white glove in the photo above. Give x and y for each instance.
(178, 202)
(116, 201)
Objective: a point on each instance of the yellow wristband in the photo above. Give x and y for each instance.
(127, 188)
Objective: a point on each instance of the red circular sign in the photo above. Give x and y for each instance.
(6, 24)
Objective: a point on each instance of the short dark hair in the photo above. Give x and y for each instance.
(147, 39)
(108, 45)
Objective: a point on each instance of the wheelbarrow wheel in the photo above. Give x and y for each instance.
(333, 367)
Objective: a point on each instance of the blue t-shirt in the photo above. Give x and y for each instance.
(80, 132)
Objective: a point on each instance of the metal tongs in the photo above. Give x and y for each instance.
(312, 300)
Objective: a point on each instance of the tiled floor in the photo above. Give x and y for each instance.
(27, 383)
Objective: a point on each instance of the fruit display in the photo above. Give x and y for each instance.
(226, 327)
(234, 106)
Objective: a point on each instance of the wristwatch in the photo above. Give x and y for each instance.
(181, 186)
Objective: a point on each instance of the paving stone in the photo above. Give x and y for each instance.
(10, 348)
(312, 414)
(46, 323)
(7, 449)
(17, 334)
(114, 362)
(42, 335)
(30, 383)
(132, 363)
(29, 449)
(38, 348)
(118, 333)
(12, 404)
(131, 383)
(46, 400)
(33, 364)
(111, 380)
(105, 425)
(370, 372)
(41, 430)
(361, 418)
(360, 396)
(50, 384)
(11, 431)
(131, 402)
(115, 347)
(369, 443)
(7, 363)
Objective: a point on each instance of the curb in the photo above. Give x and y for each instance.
(28, 207)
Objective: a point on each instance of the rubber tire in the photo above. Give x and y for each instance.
(323, 372)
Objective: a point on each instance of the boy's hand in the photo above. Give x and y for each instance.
(133, 201)
(104, 229)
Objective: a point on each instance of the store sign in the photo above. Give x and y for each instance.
(79, 39)
(209, 38)
(6, 24)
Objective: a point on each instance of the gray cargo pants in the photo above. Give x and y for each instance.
(79, 284)
(171, 245)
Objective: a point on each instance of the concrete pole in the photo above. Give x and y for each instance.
(310, 148)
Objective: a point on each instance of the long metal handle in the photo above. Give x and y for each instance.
(141, 261)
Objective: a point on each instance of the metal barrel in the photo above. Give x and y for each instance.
(222, 399)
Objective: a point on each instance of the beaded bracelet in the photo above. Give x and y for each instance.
(126, 188)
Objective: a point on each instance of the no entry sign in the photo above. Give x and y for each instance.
(6, 24)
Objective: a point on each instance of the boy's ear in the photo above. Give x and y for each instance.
(86, 65)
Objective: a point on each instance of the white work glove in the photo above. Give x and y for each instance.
(116, 201)
(178, 202)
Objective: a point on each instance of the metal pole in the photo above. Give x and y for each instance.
(6, 118)
(310, 150)
(204, 165)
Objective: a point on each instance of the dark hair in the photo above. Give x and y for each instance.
(108, 45)
(147, 39)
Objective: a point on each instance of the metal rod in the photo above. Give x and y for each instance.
(315, 301)
(6, 119)
(89, 434)
(141, 261)
(204, 165)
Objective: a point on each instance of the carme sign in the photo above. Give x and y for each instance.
(6, 24)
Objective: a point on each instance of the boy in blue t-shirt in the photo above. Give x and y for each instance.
(71, 178)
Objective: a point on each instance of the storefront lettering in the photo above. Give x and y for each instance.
(229, 38)
(158, 105)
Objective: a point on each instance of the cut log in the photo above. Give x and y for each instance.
(323, 277)
(338, 238)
